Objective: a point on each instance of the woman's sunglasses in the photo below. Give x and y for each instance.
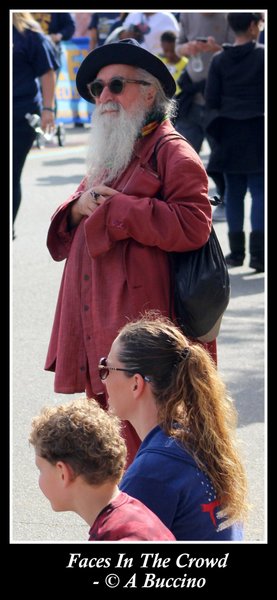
(104, 370)
(116, 85)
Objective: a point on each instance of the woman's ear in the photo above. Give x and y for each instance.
(138, 384)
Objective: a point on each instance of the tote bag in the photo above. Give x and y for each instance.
(200, 280)
(201, 289)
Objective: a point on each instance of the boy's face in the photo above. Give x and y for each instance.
(51, 482)
(169, 50)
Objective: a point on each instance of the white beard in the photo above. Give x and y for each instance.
(112, 140)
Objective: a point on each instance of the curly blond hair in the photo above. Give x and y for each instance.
(82, 435)
(192, 401)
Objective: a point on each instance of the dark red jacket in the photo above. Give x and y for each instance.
(117, 264)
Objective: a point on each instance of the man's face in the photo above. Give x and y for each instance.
(131, 92)
(116, 123)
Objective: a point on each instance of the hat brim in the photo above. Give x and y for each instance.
(125, 54)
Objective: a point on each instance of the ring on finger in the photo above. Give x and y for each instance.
(94, 195)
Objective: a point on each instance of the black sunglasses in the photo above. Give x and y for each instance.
(104, 370)
(116, 85)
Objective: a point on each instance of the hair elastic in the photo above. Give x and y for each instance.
(185, 352)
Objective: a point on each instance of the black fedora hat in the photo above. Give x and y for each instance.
(125, 52)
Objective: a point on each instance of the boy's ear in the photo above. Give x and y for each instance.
(65, 472)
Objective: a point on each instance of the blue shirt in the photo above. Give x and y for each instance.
(32, 57)
(166, 478)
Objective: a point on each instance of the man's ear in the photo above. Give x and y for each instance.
(65, 472)
(150, 96)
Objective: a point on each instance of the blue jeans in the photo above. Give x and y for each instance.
(237, 185)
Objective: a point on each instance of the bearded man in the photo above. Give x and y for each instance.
(145, 194)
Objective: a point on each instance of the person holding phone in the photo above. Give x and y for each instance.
(201, 35)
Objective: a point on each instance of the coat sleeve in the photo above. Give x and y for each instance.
(59, 238)
(213, 89)
(179, 221)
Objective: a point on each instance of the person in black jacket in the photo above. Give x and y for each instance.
(235, 89)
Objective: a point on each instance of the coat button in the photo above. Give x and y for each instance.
(86, 277)
(86, 307)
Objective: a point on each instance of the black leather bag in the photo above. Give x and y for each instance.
(201, 289)
(200, 280)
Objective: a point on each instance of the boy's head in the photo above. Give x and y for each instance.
(82, 436)
(241, 22)
(168, 41)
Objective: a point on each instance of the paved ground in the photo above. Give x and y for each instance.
(50, 175)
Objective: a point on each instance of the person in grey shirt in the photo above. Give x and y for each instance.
(201, 35)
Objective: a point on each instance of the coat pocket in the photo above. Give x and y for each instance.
(143, 182)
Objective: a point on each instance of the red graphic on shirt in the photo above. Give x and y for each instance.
(210, 507)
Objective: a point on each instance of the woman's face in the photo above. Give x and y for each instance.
(119, 386)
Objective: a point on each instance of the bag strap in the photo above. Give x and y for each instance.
(214, 200)
(161, 141)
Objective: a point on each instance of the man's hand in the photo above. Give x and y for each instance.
(190, 48)
(104, 192)
(195, 47)
(211, 45)
(83, 207)
(89, 202)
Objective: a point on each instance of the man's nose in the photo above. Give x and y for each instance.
(106, 94)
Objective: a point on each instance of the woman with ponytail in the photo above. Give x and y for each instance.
(187, 469)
